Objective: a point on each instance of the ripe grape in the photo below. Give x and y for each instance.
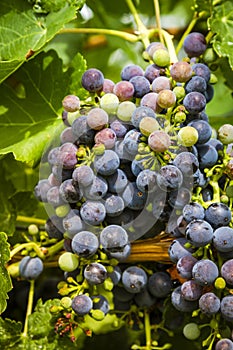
(160, 284)
(30, 268)
(82, 304)
(92, 212)
(226, 307)
(199, 232)
(226, 272)
(124, 90)
(194, 102)
(107, 137)
(224, 344)
(218, 214)
(131, 71)
(141, 86)
(95, 273)
(169, 178)
(107, 163)
(181, 71)
(93, 80)
(85, 244)
(195, 44)
(223, 239)
(134, 279)
(161, 83)
(97, 118)
(71, 103)
(113, 237)
(205, 272)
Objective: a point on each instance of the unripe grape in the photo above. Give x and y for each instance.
(125, 110)
(161, 57)
(225, 134)
(68, 261)
(166, 99)
(191, 331)
(187, 136)
(147, 125)
(109, 102)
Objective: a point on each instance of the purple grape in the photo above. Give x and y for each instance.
(131, 71)
(209, 303)
(95, 273)
(124, 90)
(93, 80)
(141, 86)
(30, 268)
(82, 304)
(195, 44)
(92, 212)
(134, 279)
(85, 244)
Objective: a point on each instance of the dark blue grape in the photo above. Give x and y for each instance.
(152, 71)
(117, 181)
(223, 239)
(194, 102)
(134, 279)
(179, 198)
(196, 83)
(185, 265)
(41, 190)
(218, 214)
(193, 211)
(134, 198)
(92, 212)
(144, 299)
(113, 237)
(180, 303)
(224, 344)
(190, 290)
(82, 304)
(177, 249)
(54, 227)
(209, 303)
(114, 205)
(82, 132)
(121, 254)
(131, 141)
(195, 44)
(205, 272)
(131, 71)
(83, 175)
(93, 80)
(199, 232)
(160, 284)
(119, 128)
(107, 163)
(169, 178)
(226, 272)
(54, 197)
(67, 157)
(95, 273)
(97, 189)
(146, 180)
(69, 192)
(141, 86)
(115, 275)
(73, 223)
(201, 70)
(207, 156)
(226, 307)
(85, 244)
(30, 268)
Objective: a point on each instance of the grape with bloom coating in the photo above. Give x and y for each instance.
(82, 304)
(93, 80)
(159, 141)
(181, 71)
(97, 118)
(71, 103)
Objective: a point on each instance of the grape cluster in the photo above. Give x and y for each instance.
(138, 157)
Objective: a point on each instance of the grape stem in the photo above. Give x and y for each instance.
(29, 307)
(31, 245)
(121, 34)
(30, 220)
(158, 21)
(142, 30)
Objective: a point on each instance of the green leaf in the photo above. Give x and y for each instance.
(6, 285)
(7, 209)
(30, 113)
(79, 66)
(10, 332)
(221, 24)
(203, 5)
(23, 33)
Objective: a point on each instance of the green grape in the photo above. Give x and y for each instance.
(147, 125)
(68, 262)
(161, 57)
(191, 331)
(220, 283)
(225, 134)
(33, 230)
(109, 103)
(187, 136)
(125, 110)
(62, 210)
(66, 302)
(179, 91)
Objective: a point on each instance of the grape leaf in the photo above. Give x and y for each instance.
(221, 24)
(6, 285)
(10, 333)
(7, 209)
(203, 5)
(30, 118)
(23, 33)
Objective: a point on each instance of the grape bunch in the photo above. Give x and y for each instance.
(136, 158)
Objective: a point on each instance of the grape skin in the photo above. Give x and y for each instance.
(134, 279)
(30, 268)
(205, 272)
(159, 141)
(92, 80)
(85, 244)
(95, 273)
(92, 212)
(194, 102)
(224, 344)
(199, 232)
(113, 237)
(226, 307)
(195, 44)
(226, 272)
(97, 118)
(82, 304)
(107, 163)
